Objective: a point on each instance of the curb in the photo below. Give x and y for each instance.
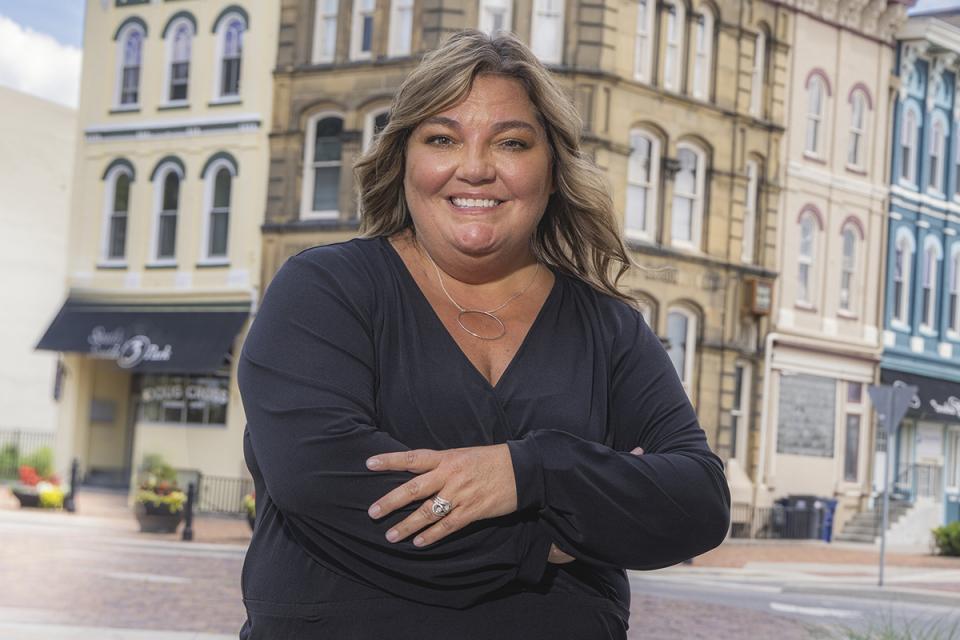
(920, 596)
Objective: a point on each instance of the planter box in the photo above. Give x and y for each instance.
(27, 498)
(155, 519)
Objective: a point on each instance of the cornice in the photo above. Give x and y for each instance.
(875, 19)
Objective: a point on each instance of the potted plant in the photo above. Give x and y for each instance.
(38, 486)
(250, 505)
(159, 502)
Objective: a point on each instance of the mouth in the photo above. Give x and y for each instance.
(474, 203)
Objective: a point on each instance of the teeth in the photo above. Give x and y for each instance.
(473, 202)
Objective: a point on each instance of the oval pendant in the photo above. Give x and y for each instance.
(503, 327)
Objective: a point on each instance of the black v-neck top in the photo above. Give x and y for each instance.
(346, 359)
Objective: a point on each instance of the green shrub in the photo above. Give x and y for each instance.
(41, 460)
(947, 539)
(156, 466)
(173, 501)
(9, 459)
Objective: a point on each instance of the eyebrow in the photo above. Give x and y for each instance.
(499, 127)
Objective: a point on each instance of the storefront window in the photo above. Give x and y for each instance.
(184, 399)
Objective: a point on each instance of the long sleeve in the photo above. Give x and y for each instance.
(605, 505)
(307, 377)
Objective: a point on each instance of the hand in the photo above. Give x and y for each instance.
(478, 482)
(559, 557)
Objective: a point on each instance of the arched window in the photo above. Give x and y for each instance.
(932, 253)
(117, 187)
(673, 55)
(131, 62)
(648, 310)
(702, 53)
(496, 16)
(758, 73)
(909, 134)
(688, 187)
(179, 44)
(681, 342)
(401, 28)
(902, 272)
(848, 267)
(218, 178)
(167, 184)
(325, 30)
(323, 162)
(373, 124)
(938, 152)
(230, 30)
(954, 318)
(806, 257)
(643, 40)
(750, 211)
(856, 148)
(546, 32)
(816, 114)
(642, 180)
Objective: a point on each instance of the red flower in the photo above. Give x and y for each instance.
(29, 476)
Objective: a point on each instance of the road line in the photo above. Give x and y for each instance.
(820, 612)
(144, 577)
(63, 632)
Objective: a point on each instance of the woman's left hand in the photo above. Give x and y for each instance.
(477, 481)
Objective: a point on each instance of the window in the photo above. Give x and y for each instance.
(858, 117)
(218, 176)
(373, 125)
(816, 108)
(750, 208)
(938, 143)
(184, 399)
(851, 449)
(401, 27)
(703, 55)
(118, 212)
(928, 309)
(954, 318)
(546, 36)
(688, 186)
(672, 63)
(756, 81)
(642, 179)
(848, 268)
(908, 144)
(805, 258)
(952, 477)
(322, 180)
(496, 16)
(956, 165)
(681, 342)
(179, 42)
(229, 56)
(131, 61)
(902, 261)
(739, 414)
(165, 233)
(646, 308)
(325, 31)
(643, 43)
(361, 41)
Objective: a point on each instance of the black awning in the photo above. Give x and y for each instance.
(935, 400)
(170, 338)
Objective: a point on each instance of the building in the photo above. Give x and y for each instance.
(825, 343)
(683, 108)
(921, 336)
(164, 243)
(35, 179)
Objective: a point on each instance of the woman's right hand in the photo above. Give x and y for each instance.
(559, 557)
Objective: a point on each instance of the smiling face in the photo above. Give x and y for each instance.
(478, 175)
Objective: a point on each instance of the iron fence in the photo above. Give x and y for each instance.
(218, 494)
(16, 445)
(747, 521)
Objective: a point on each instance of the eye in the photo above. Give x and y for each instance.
(440, 141)
(515, 144)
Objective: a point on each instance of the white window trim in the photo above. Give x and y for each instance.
(853, 291)
(368, 124)
(159, 177)
(484, 24)
(317, 55)
(643, 55)
(930, 243)
(118, 71)
(953, 324)
(852, 409)
(672, 81)
(955, 166)
(933, 187)
(218, 96)
(910, 180)
(750, 212)
(689, 356)
(110, 187)
(810, 261)
(701, 90)
(168, 44)
(547, 57)
(648, 233)
(356, 32)
(306, 195)
(696, 215)
(400, 43)
(819, 118)
(862, 132)
(743, 413)
(209, 185)
(909, 250)
(756, 81)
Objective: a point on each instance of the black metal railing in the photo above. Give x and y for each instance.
(218, 494)
(15, 445)
(747, 521)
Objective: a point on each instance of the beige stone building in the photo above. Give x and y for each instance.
(163, 266)
(825, 345)
(683, 105)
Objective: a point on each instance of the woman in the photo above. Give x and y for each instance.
(445, 417)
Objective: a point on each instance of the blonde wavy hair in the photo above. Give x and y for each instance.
(578, 233)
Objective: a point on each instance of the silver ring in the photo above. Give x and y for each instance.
(440, 506)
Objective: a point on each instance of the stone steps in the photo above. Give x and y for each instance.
(865, 526)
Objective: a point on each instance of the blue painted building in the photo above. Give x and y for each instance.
(922, 286)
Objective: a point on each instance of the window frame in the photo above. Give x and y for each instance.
(857, 145)
(817, 120)
(690, 344)
(810, 261)
(853, 410)
(911, 179)
(698, 199)
(487, 9)
(740, 412)
(929, 281)
(758, 73)
(648, 231)
(159, 180)
(937, 152)
(953, 293)
(643, 41)
(319, 53)
(360, 13)
(307, 195)
(110, 195)
(209, 191)
(675, 12)
(905, 245)
(170, 43)
(223, 25)
(539, 10)
(848, 265)
(400, 38)
(751, 209)
(702, 58)
(121, 66)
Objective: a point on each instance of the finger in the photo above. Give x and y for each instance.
(558, 557)
(637, 451)
(422, 517)
(415, 460)
(418, 488)
(445, 526)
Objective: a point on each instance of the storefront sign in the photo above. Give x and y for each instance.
(935, 399)
(127, 353)
(806, 415)
(190, 392)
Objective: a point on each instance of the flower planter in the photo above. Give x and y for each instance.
(157, 518)
(27, 498)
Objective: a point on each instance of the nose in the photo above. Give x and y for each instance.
(476, 166)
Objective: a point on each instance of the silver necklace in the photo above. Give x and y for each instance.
(479, 312)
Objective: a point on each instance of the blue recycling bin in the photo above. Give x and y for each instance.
(826, 525)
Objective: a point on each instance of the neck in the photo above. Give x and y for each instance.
(489, 272)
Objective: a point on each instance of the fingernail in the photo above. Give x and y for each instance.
(374, 511)
(392, 535)
(373, 463)
(418, 541)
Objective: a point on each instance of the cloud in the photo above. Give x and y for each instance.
(37, 64)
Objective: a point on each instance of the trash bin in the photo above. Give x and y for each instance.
(801, 517)
(826, 527)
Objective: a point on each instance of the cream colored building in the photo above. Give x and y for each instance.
(34, 210)
(163, 266)
(825, 345)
